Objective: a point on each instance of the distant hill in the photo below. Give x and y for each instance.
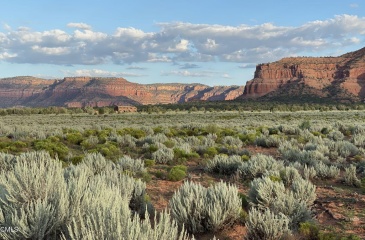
(98, 92)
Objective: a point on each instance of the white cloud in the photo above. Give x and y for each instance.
(89, 35)
(51, 50)
(99, 73)
(186, 73)
(354, 5)
(79, 25)
(6, 55)
(180, 42)
(226, 75)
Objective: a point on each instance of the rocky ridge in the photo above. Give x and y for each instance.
(98, 92)
(330, 75)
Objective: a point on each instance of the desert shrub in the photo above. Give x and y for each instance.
(33, 197)
(293, 200)
(232, 141)
(350, 176)
(192, 141)
(309, 230)
(125, 140)
(289, 175)
(149, 162)
(309, 173)
(177, 173)
(53, 147)
(258, 165)
(306, 124)
(205, 209)
(345, 148)
(7, 161)
(74, 138)
(223, 164)
(326, 172)
(267, 141)
(210, 151)
(358, 140)
(263, 191)
(107, 149)
(90, 142)
(128, 164)
(163, 155)
(97, 163)
(336, 135)
(264, 224)
(106, 198)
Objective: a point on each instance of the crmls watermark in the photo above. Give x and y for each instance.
(9, 229)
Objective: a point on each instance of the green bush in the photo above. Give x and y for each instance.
(309, 230)
(74, 138)
(149, 162)
(177, 173)
(211, 151)
(54, 148)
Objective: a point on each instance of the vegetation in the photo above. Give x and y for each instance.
(76, 174)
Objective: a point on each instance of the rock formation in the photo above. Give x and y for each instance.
(338, 74)
(98, 92)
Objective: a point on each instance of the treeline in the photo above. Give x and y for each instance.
(251, 106)
(54, 110)
(218, 106)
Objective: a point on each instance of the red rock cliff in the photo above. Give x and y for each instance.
(346, 71)
(95, 91)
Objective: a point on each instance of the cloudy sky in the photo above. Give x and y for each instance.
(213, 42)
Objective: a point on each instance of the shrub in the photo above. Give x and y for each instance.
(33, 197)
(149, 162)
(232, 141)
(135, 166)
(350, 176)
(267, 141)
(74, 138)
(163, 155)
(292, 201)
(266, 225)
(105, 197)
(309, 230)
(326, 172)
(258, 165)
(223, 164)
(177, 173)
(205, 209)
(55, 148)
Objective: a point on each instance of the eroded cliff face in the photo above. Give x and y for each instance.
(98, 92)
(346, 72)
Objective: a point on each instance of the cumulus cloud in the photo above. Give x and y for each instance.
(187, 73)
(136, 68)
(247, 65)
(99, 73)
(179, 42)
(79, 25)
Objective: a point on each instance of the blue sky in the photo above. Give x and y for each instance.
(147, 41)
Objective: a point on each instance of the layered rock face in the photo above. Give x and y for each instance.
(346, 72)
(98, 92)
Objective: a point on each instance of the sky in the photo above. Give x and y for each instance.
(212, 42)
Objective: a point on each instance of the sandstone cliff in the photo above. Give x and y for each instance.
(95, 91)
(329, 75)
